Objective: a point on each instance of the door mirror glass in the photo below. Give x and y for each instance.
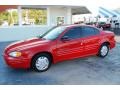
(65, 38)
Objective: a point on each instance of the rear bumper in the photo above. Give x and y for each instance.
(17, 62)
(112, 44)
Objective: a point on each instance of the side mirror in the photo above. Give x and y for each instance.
(65, 38)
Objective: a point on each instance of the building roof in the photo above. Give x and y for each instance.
(75, 9)
(4, 7)
(108, 13)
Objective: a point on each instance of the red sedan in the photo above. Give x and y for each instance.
(59, 44)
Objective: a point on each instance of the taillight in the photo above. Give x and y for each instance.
(112, 37)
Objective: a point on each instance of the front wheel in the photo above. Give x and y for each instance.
(41, 62)
(104, 49)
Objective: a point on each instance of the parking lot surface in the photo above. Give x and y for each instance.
(88, 70)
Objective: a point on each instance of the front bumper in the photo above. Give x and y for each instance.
(17, 62)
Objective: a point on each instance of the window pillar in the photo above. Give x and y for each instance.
(48, 16)
(69, 16)
(19, 15)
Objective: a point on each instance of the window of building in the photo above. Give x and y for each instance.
(9, 17)
(34, 16)
(29, 17)
(60, 20)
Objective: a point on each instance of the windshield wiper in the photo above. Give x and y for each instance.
(39, 36)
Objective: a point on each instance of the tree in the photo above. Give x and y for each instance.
(3, 17)
(40, 16)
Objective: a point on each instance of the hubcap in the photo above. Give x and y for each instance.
(104, 50)
(42, 63)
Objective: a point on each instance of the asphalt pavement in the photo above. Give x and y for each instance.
(87, 70)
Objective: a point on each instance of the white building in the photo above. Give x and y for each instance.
(56, 14)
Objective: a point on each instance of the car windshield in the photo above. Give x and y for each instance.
(53, 33)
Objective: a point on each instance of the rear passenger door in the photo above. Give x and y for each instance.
(91, 41)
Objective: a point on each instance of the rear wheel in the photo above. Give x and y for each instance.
(104, 49)
(41, 62)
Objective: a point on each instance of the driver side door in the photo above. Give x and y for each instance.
(71, 46)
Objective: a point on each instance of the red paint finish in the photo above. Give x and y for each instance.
(60, 50)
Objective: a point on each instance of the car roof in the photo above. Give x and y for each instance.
(75, 25)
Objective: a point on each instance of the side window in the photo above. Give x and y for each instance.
(96, 31)
(89, 31)
(74, 33)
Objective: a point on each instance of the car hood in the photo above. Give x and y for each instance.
(24, 44)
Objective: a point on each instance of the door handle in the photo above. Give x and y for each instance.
(81, 43)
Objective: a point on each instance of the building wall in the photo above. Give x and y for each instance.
(24, 32)
(21, 33)
(52, 13)
(56, 12)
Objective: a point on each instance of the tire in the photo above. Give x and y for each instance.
(41, 62)
(103, 51)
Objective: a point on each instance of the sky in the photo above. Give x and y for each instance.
(92, 5)
(111, 4)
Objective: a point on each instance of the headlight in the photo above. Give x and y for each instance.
(15, 54)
